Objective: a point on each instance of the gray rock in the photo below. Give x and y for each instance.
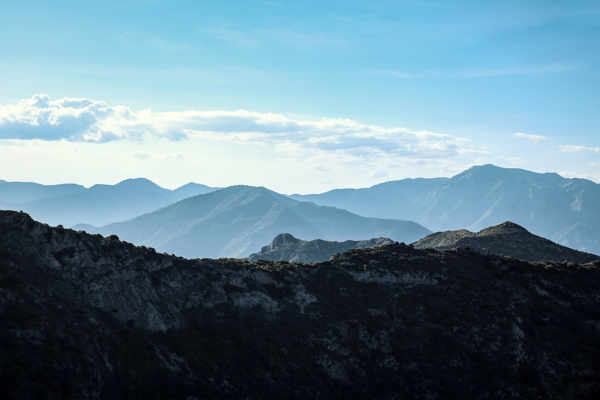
(287, 247)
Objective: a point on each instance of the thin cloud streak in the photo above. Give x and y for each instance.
(85, 120)
(534, 138)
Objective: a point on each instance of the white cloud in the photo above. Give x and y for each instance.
(534, 138)
(575, 149)
(84, 120)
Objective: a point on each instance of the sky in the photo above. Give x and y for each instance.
(299, 97)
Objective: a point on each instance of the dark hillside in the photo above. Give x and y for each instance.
(88, 317)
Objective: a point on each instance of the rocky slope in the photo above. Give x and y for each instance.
(507, 239)
(287, 248)
(88, 317)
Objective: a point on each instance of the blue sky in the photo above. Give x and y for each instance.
(516, 84)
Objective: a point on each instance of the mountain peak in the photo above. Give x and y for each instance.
(504, 228)
(139, 184)
(284, 238)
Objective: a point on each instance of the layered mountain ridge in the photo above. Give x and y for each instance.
(89, 317)
(239, 220)
(70, 204)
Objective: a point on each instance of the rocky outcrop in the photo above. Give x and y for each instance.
(287, 248)
(88, 317)
(507, 239)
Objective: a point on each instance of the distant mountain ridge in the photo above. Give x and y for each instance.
(23, 192)
(561, 209)
(507, 239)
(239, 220)
(286, 247)
(70, 204)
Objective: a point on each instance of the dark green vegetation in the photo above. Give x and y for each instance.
(287, 248)
(563, 210)
(99, 205)
(239, 220)
(506, 239)
(87, 317)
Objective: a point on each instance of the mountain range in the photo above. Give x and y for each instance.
(88, 317)
(239, 220)
(71, 204)
(564, 210)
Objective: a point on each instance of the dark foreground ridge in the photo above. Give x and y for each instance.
(87, 317)
(287, 248)
(507, 239)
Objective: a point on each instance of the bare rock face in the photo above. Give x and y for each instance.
(88, 317)
(285, 247)
(507, 239)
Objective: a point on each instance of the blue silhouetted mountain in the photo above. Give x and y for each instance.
(239, 220)
(548, 205)
(23, 192)
(99, 205)
(393, 199)
(189, 190)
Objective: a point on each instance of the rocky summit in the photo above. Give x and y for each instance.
(91, 317)
(287, 248)
(508, 239)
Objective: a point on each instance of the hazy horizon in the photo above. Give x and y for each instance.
(173, 187)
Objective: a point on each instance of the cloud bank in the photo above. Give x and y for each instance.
(85, 120)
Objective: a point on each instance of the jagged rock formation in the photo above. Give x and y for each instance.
(287, 248)
(88, 317)
(507, 239)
